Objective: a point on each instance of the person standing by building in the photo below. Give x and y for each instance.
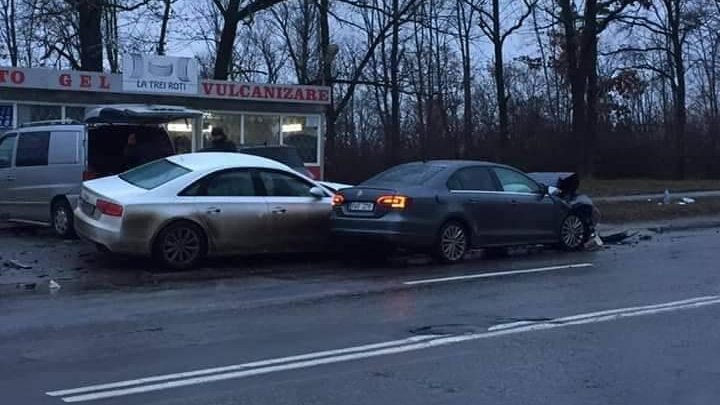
(132, 153)
(219, 142)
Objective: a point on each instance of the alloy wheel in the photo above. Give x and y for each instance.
(572, 232)
(181, 246)
(453, 243)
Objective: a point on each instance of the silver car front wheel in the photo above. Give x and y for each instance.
(573, 233)
(452, 243)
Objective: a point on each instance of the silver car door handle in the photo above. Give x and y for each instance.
(10, 178)
(279, 210)
(213, 210)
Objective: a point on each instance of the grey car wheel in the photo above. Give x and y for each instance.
(180, 245)
(573, 232)
(62, 219)
(452, 243)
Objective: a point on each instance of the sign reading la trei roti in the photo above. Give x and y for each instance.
(161, 78)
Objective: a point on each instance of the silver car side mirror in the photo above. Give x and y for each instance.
(317, 192)
(553, 191)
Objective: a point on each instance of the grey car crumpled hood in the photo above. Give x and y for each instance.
(568, 184)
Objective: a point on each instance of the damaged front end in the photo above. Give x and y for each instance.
(564, 186)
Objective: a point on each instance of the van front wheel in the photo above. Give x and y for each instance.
(62, 219)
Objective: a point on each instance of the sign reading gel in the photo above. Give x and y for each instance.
(160, 74)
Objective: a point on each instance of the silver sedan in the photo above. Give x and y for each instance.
(185, 207)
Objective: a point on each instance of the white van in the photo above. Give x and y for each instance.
(43, 164)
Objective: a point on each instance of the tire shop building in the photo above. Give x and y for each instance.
(250, 113)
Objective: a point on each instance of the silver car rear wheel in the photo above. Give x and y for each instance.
(452, 243)
(180, 245)
(573, 232)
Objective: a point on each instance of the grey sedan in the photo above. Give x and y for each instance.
(449, 207)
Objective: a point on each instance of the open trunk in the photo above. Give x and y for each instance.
(107, 145)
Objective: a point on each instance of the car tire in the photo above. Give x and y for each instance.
(574, 232)
(61, 215)
(180, 246)
(452, 243)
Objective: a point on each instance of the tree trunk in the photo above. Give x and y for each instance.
(681, 93)
(392, 136)
(162, 41)
(502, 100)
(224, 56)
(467, 99)
(588, 69)
(90, 34)
(326, 80)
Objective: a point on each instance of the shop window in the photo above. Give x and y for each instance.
(180, 132)
(262, 130)
(6, 116)
(302, 133)
(230, 123)
(75, 113)
(38, 112)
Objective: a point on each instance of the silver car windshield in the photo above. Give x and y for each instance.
(154, 174)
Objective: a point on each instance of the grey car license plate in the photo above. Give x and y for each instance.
(86, 207)
(362, 206)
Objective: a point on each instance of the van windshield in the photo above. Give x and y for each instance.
(154, 174)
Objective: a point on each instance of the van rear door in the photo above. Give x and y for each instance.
(139, 114)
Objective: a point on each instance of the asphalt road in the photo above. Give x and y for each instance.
(626, 325)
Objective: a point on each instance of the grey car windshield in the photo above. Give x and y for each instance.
(154, 174)
(412, 174)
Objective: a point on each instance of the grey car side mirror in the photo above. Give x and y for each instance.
(553, 191)
(317, 192)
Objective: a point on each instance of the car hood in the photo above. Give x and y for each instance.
(334, 186)
(567, 182)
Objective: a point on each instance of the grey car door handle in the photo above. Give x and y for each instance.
(213, 210)
(279, 210)
(10, 178)
(513, 202)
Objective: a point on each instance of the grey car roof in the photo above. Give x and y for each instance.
(457, 163)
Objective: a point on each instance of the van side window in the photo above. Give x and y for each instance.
(32, 149)
(7, 145)
(64, 147)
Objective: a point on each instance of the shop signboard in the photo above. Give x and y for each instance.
(160, 74)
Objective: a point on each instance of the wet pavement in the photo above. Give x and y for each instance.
(630, 323)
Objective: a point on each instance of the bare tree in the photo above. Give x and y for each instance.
(491, 18)
(581, 34)
(233, 12)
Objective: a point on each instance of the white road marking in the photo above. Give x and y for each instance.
(235, 367)
(591, 315)
(498, 274)
(369, 351)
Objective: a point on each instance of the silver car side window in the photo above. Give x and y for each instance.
(279, 184)
(7, 147)
(233, 183)
(515, 182)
